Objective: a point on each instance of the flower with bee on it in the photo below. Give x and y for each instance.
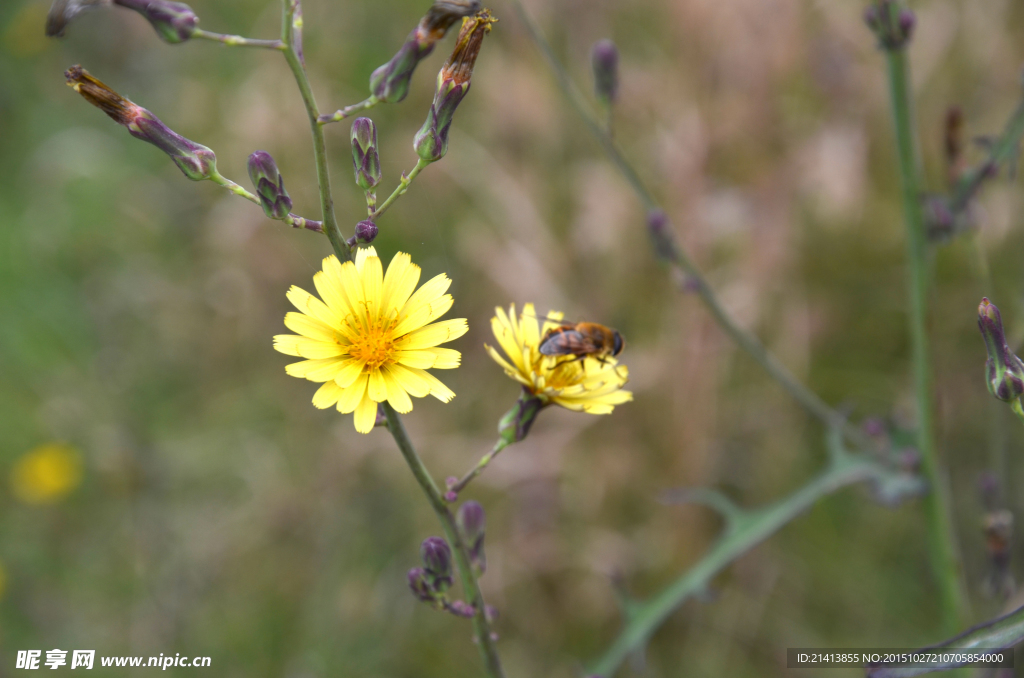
(591, 382)
(390, 82)
(197, 162)
(372, 338)
(431, 142)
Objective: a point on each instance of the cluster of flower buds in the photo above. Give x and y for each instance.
(365, 157)
(892, 25)
(471, 521)
(269, 184)
(1004, 371)
(604, 57)
(196, 161)
(174, 21)
(390, 82)
(431, 142)
(430, 582)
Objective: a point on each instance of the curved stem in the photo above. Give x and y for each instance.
(348, 111)
(480, 466)
(745, 339)
(293, 220)
(403, 186)
(291, 54)
(481, 627)
(941, 535)
(237, 40)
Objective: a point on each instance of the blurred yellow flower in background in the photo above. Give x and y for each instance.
(371, 339)
(589, 384)
(46, 474)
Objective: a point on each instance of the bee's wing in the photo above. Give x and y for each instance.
(567, 342)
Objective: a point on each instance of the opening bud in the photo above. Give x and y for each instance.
(1004, 370)
(437, 562)
(390, 82)
(431, 142)
(604, 57)
(366, 232)
(470, 519)
(515, 424)
(365, 158)
(269, 184)
(174, 21)
(197, 162)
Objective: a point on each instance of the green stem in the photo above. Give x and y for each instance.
(471, 587)
(293, 220)
(403, 186)
(941, 536)
(1005, 149)
(746, 340)
(480, 466)
(743, 530)
(238, 41)
(330, 222)
(1017, 409)
(348, 111)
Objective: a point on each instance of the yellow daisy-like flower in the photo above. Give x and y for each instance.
(587, 385)
(46, 474)
(372, 338)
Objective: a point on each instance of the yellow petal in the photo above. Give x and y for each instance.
(399, 283)
(424, 313)
(376, 389)
(309, 327)
(303, 347)
(509, 369)
(373, 281)
(397, 396)
(445, 358)
(348, 374)
(366, 415)
(362, 254)
(529, 329)
(351, 283)
(437, 389)
(328, 286)
(311, 306)
(422, 359)
(352, 395)
(505, 335)
(431, 290)
(327, 395)
(432, 335)
(304, 369)
(410, 381)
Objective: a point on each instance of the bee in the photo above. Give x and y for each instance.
(582, 340)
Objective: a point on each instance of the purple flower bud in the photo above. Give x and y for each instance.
(174, 21)
(196, 161)
(366, 231)
(437, 562)
(431, 142)
(1004, 370)
(871, 17)
(462, 609)
(662, 237)
(365, 158)
(269, 185)
(604, 57)
(419, 586)
(907, 21)
(390, 82)
(471, 521)
(63, 11)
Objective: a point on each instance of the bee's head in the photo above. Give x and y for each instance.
(618, 343)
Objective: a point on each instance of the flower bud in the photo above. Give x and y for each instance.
(470, 519)
(174, 21)
(365, 158)
(1004, 370)
(431, 142)
(390, 82)
(437, 562)
(269, 184)
(196, 161)
(419, 586)
(604, 57)
(891, 25)
(63, 11)
(662, 237)
(516, 423)
(366, 231)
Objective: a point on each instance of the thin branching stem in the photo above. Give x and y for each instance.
(484, 462)
(238, 41)
(471, 587)
(293, 220)
(696, 280)
(348, 111)
(403, 186)
(940, 533)
(291, 54)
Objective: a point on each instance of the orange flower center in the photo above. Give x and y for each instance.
(373, 345)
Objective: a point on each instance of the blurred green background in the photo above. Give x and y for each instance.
(220, 514)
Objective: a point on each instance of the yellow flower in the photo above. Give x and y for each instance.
(46, 474)
(371, 338)
(587, 385)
